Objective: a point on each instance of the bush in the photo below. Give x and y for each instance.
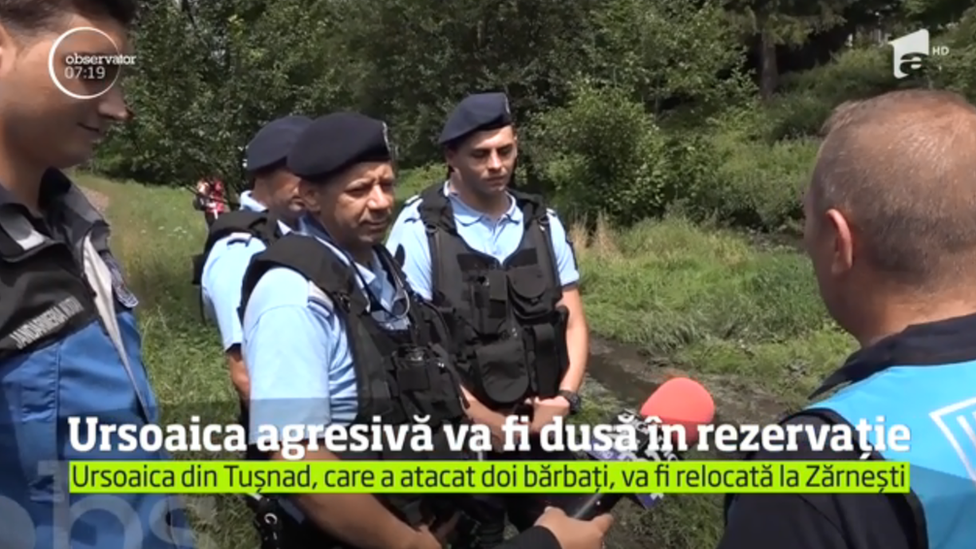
(603, 154)
(808, 97)
(760, 186)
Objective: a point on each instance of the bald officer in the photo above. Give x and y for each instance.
(333, 336)
(499, 264)
(235, 238)
(893, 264)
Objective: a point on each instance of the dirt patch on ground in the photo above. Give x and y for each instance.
(632, 377)
(98, 200)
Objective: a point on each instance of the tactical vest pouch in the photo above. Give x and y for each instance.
(418, 385)
(549, 353)
(499, 372)
(489, 302)
(528, 290)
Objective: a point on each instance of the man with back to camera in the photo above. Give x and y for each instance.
(499, 266)
(334, 336)
(69, 342)
(891, 233)
(271, 208)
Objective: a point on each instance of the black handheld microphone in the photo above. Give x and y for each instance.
(679, 401)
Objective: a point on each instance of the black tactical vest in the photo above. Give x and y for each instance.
(260, 225)
(399, 374)
(44, 296)
(509, 332)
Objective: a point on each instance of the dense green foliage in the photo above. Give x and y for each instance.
(629, 108)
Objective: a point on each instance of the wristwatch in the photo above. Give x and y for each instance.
(575, 401)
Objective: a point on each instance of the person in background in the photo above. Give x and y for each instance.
(500, 267)
(210, 198)
(69, 342)
(201, 198)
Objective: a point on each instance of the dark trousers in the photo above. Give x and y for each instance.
(210, 217)
(521, 510)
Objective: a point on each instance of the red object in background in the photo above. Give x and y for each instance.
(216, 203)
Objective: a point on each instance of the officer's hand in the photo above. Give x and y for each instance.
(445, 529)
(575, 534)
(546, 410)
(425, 539)
(495, 422)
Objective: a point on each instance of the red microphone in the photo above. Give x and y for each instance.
(680, 402)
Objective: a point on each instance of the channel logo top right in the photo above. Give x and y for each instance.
(910, 52)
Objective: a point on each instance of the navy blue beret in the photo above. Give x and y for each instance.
(273, 142)
(478, 112)
(336, 141)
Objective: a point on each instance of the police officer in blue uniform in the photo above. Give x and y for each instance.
(69, 343)
(271, 208)
(499, 266)
(334, 336)
(891, 232)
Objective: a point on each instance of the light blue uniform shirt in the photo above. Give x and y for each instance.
(295, 347)
(223, 274)
(497, 238)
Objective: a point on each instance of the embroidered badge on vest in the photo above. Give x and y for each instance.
(119, 288)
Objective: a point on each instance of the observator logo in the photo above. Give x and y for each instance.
(86, 75)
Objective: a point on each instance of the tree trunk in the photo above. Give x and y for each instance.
(768, 68)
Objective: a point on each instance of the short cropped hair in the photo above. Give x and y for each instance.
(840, 116)
(902, 168)
(34, 15)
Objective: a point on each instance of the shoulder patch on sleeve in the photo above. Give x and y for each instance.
(121, 289)
(239, 238)
(318, 297)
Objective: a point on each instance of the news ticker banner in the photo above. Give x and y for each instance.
(459, 477)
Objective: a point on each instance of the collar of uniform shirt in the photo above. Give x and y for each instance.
(67, 212)
(466, 215)
(249, 203)
(390, 297)
(54, 186)
(931, 344)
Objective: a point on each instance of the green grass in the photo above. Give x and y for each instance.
(711, 302)
(705, 302)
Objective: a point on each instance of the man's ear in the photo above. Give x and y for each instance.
(843, 252)
(8, 48)
(310, 196)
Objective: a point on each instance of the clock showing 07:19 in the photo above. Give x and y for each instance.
(96, 73)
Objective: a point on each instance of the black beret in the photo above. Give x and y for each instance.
(478, 112)
(336, 141)
(273, 142)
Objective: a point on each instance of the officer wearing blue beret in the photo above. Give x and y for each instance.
(235, 238)
(69, 341)
(333, 336)
(499, 265)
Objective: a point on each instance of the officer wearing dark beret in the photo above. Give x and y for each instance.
(501, 263)
(479, 112)
(274, 186)
(274, 190)
(337, 141)
(327, 320)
